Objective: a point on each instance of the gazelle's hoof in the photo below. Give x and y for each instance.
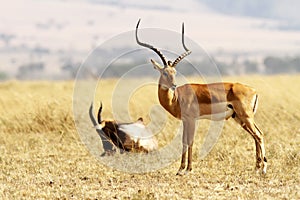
(186, 172)
(180, 173)
(264, 171)
(259, 171)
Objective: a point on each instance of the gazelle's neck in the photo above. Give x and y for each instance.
(169, 100)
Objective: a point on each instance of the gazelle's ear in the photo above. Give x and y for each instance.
(156, 65)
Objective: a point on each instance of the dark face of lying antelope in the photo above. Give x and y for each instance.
(131, 137)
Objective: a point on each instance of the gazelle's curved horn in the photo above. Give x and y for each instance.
(162, 57)
(186, 53)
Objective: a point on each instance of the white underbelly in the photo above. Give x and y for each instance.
(218, 116)
(220, 111)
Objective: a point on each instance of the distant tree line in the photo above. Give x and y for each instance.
(31, 71)
(93, 69)
(276, 65)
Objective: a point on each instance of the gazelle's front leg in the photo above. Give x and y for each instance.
(187, 143)
(183, 159)
(184, 148)
(190, 156)
(190, 140)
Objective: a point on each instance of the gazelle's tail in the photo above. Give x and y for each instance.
(255, 103)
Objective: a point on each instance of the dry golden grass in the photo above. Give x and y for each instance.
(41, 154)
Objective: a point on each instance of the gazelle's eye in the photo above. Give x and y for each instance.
(165, 73)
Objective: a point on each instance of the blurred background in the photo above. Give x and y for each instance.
(49, 39)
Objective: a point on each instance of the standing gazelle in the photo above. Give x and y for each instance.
(216, 101)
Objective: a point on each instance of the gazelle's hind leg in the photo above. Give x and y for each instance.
(249, 125)
(263, 151)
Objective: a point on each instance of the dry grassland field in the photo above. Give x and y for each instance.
(43, 157)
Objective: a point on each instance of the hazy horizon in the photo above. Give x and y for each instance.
(61, 30)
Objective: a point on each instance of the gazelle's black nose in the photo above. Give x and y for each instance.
(173, 87)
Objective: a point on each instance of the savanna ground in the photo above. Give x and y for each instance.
(42, 156)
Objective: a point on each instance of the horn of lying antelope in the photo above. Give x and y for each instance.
(91, 113)
(162, 57)
(99, 114)
(186, 53)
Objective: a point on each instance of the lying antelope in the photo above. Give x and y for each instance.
(216, 101)
(131, 137)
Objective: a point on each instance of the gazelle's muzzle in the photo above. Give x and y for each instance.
(173, 87)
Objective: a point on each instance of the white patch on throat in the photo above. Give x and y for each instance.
(163, 87)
